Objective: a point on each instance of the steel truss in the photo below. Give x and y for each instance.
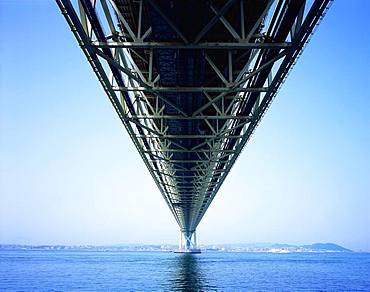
(189, 134)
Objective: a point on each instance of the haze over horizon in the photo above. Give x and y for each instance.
(69, 173)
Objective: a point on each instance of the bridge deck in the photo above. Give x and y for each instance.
(191, 80)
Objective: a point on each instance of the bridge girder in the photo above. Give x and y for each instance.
(190, 132)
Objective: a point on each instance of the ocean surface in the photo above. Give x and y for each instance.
(161, 271)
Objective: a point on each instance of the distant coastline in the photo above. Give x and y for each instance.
(249, 247)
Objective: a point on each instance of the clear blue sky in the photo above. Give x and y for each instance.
(70, 174)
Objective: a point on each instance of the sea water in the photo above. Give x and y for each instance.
(31, 270)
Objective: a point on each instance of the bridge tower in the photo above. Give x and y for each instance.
(188, 243)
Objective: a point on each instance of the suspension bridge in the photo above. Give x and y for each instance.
(190, 81)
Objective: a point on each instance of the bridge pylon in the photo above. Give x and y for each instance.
(188, 243)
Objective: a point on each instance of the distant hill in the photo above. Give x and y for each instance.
(326, 247)
(283, 245)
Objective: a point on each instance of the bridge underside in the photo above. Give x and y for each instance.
(190, 80)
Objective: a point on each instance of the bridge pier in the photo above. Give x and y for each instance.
(188, 244)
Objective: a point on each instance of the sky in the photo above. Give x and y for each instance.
(69, 173)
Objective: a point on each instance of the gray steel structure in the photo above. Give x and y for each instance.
(191, 80)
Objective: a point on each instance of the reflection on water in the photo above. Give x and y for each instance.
(51, 270)
(187, 274)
